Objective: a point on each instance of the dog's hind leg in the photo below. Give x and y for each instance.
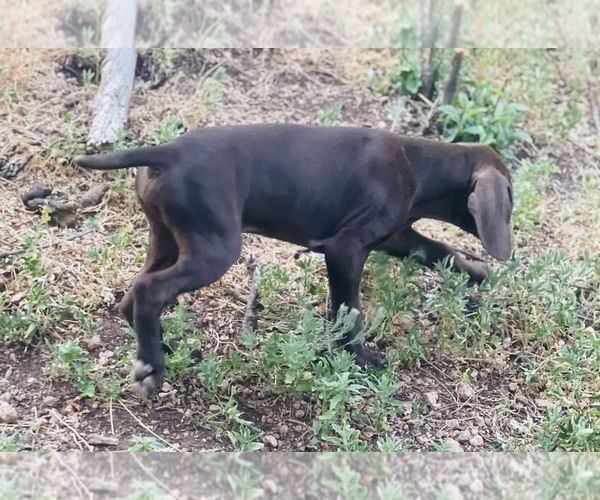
(403, 243)
(203, 259)
(344, 269)
(162, 253)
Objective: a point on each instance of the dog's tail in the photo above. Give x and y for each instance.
(152, 156)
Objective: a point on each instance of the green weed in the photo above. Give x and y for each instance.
(482, 114)
(69, 362)
(146, 444)
(329, 117)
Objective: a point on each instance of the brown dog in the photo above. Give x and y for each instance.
(340, 191)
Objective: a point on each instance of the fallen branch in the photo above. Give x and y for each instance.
(111, 103)
(251, 315)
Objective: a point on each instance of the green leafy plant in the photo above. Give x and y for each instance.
(330, 116)
(482, 114)
(168, 130)
(144, 444)
(69, 362)
(211, 88)
(145, 490)
(13, 442)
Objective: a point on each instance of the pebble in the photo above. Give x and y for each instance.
(283, 429)
(479, 421)
(452, 492)
(270, 486)
(431, 398)
(8, 413)
(299, 414)
(476, 441)
(270, 441)
(422, 439)
(454, 445)
(464, 436)
(476, 486)
(214, 408)
(464, 391)
(94, 341)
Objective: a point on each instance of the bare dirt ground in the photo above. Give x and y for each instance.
(264, 86)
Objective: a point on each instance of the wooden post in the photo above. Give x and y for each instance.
(111, 104)
(427, 49)
(455, 26)
(452, 81)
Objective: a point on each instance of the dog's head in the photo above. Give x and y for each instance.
(490, 201)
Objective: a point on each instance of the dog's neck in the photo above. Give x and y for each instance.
(441, 180)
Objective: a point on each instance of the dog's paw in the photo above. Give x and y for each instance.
(368, 358)
(145, 379)
(476, 271)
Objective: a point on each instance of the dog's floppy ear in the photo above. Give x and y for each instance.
(490, 204)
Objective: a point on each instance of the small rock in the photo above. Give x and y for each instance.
(454, 445)
(9, 372)
(300, 414)
(214, 408)
(405, 322)
(31, 381)
(479, 421)
(17, 297)
(452, 492)
(99, 440)
(270, 486)
(225, 386)
(422, 439)
(94, 341)
(464, 391)
(464, 436)
(476, 441)
(512, 387)
(381, 124)
(270, 441)
(431, 398)
(50, 401)
(8, 413)
(476, 486)
(166, 387)
(283, 429)
(453, 423)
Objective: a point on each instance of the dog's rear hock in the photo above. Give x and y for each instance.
(199, 265)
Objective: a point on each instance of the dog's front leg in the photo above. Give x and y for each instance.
(403, 243)
(344, 270)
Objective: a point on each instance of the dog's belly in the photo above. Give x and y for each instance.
(289, 237)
